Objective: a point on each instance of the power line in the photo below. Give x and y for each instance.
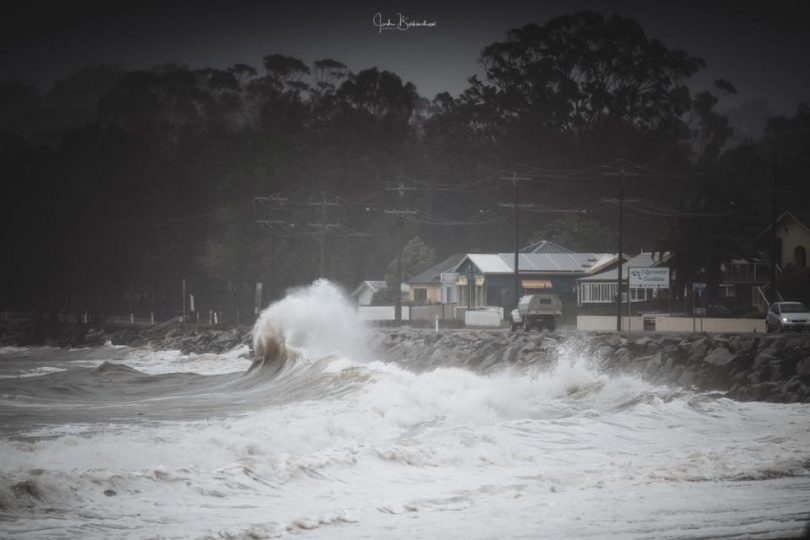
(655, 209)
(485, 184)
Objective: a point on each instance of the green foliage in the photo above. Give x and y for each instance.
(585, 86)
(713, 227)
(710, 130)
(578, 72)
(787, 147)
(148, 177)
(581, 74)
(794, 284)
(577, 233)
(415, 257)
(285, 68)
(384, 297)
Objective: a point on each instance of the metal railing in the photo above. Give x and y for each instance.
(173, 321)
(760, 298)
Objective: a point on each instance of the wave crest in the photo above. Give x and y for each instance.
(311, 322)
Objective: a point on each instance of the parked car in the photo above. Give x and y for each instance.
(537, 311)
(784, 316)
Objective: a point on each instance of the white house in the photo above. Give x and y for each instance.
(365, 292)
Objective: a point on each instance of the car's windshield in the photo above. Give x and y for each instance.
(794, 308)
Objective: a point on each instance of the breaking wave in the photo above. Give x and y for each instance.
(317, 436)
(311, 323)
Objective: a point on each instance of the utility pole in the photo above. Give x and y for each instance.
(399, 269)
(285, 228)
(278, 226)
(619, 273)
(323, 203)
(517, 239)
(774, 250)
(323, 240)
(322, 229)
(515, 179)
(621, 173)
(400, 188)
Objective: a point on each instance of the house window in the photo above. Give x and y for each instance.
(800, 256)
(420, 296)
(728, 291)
(598, 293)
(450, 295)
(741, 271)
(638, 295)
(733, 271)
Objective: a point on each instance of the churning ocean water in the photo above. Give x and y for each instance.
(117, 442)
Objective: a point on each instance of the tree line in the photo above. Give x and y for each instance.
(119, 183)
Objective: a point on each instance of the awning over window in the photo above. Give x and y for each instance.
(536, 284)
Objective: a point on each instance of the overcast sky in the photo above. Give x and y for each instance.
(762, 48)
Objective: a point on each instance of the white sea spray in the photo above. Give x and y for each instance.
(347, 446)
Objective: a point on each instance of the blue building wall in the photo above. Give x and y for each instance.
(500, 288)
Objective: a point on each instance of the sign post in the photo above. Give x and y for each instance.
(698, 289)
(642, 277)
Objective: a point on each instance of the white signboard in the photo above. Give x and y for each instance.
(649, 278)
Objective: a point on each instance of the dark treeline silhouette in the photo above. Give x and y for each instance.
(119, 184)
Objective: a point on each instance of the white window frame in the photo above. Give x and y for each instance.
(597, 293)
(638, 294)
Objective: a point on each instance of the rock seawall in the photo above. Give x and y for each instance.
(758, 367)
(743, 366)
(188, 338)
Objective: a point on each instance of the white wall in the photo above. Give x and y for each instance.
(684, 324)
(381, 313)
(607, 323)
(482, 318)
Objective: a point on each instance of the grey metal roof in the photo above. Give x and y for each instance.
(642, 260)
(545, 246)
(373, 285)
(433, 274)
(785, 216)
(580, 263)
(490, 263)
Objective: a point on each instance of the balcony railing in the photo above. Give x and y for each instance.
(749, 273)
